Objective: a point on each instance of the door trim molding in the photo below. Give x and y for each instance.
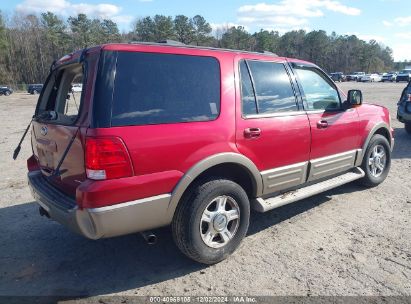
(284, 177)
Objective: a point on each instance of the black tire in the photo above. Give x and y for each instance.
(370, 179)
(408, 127)
(7, 93)
(186, 225)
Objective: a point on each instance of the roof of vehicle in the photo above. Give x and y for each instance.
(136, 46)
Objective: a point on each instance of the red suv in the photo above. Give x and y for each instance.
(194, 137)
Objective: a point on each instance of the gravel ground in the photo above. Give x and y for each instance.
(348, 241)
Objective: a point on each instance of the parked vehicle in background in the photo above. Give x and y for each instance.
(354, 76)
(404, 108)
(193, 137)
(404, 75)
(371, 78)
(390, 76)
(35, 88)
(4, 90)
(338, 76)
(77, 87)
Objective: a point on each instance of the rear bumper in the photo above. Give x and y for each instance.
(95, 223)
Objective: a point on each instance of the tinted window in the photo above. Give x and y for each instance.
(247, 94)
(162, 88)
(273, 87)
(319, 93)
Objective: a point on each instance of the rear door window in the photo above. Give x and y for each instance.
(153, 88)
(271, 85)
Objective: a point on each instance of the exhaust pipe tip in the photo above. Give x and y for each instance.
(149, 237)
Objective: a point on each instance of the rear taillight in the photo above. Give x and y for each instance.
(107, 158)
(409, 97)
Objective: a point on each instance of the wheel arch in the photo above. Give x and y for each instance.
(381, 128)
(213, 165)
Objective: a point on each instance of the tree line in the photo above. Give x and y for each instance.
(30, 43)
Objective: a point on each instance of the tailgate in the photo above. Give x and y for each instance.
(56, 124)
(49, 143)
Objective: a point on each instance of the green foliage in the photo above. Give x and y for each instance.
(82, 28)
(184, 29)
(238, 38)
(267, 41)
(144, 29)
(29, 44)
(202, 30)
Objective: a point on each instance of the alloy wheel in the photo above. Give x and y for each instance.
(220, 221)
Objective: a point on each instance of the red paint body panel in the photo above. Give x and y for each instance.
(341, 135)
(162, 154)
(369, 116)
(92, 194)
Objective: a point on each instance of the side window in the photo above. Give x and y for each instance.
(273, 88)
(248, 102)
(153, 88)
(319, 93)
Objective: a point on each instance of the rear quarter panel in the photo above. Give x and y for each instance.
(162, 153)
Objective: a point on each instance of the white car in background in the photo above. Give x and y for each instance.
(371, 78)
(356, 76)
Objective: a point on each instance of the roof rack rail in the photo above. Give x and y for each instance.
(167, 41)
(171, 42)
(180, 44)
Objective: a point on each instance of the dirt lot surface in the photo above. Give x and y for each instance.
(348, 241)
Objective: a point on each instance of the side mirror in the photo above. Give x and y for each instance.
(354, 98)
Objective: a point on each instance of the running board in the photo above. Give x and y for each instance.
(263, 205)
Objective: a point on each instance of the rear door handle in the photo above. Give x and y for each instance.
(252, 132)
(322, 124)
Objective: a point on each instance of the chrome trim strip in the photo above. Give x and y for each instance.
(129, 204)
(284, 177)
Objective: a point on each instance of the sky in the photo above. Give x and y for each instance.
(387, 21)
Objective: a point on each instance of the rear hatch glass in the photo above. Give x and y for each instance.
(57, 112)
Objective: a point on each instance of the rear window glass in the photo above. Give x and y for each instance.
(163, 88)
(62, 95)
